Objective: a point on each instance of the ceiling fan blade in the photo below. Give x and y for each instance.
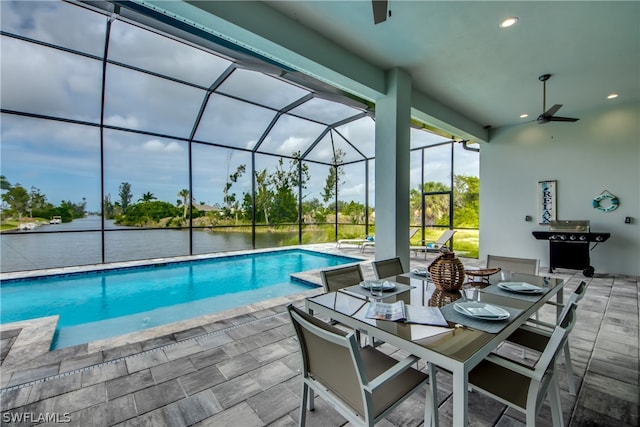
(562, 119)
(551, 111)
(379, 10)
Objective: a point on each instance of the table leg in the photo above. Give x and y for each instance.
(460, 397)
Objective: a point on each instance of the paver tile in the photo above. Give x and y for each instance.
(239, 415)
(173, 369)
(186, 412)
(230, 393)
(129, 384)
(158, 396)
(146, 360)
(202, 379)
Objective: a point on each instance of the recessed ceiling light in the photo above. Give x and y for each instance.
(613, 95)
(506, 23)
(523, 116)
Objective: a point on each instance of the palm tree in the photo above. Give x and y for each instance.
(185, 194)
(147, 197)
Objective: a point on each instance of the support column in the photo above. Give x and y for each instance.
(393, 143)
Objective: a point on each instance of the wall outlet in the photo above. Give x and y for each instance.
(527, 218)
(627, 220)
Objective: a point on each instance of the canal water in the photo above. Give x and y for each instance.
(37, 249)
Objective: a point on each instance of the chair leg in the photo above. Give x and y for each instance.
(303, 405)
(569, 367)
(431, 400)
(555, 403)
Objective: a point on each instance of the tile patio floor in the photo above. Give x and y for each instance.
(242, 369)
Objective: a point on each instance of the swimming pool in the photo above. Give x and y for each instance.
(106, 303)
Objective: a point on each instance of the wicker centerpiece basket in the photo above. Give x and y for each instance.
(447, 271)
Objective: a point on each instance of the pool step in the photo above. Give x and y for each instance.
(31, 338)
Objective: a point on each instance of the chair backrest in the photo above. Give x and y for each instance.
(338, 278)
(575, 298)
(330, 357)
(387, 267)
(545, 367)
(514, 265)
(445, 237)
(413, 232)
(578, 294)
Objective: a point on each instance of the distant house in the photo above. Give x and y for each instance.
(206, 208)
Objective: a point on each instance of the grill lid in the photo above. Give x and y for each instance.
(575, 226)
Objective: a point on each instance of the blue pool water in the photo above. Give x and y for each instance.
(108, 303)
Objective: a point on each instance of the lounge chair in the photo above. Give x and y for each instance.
(372, 243)
(357, 242)
(443, 240)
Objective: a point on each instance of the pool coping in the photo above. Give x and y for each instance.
(33, 339)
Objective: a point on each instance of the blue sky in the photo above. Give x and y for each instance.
(63, 160)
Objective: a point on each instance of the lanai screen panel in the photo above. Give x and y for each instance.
(57, 23)
(42, 80)
(261, 89)
(150, 51)
(324, 111)
(140, 101)
(150, 165)
(59, 161)
(289, 135)
(361, 134)
(334, 148)
(213, 170)
(233, 123)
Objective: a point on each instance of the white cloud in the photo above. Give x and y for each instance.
(292, 144)
(120, 121)
(156, 145)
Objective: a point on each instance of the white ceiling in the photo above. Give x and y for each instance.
(456, 53)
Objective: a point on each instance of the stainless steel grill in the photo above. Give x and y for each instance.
(569, 226)
(569, 244)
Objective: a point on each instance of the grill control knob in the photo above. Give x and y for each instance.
(562, 237)
(573, 237)
(599, 239)
(552, 237)
(583, 238)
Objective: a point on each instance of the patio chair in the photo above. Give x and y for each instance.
(536, 338)
(362, 384)
(387, 267)
(338, 278)
(514, 265)
(525, 388)
(372, 243)
(428, 246)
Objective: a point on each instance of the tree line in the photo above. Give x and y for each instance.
(276, 201)
(19, 202)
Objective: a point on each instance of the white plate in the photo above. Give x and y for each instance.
(386, 285)
(420, 272)
(520, 287)
(481, 310)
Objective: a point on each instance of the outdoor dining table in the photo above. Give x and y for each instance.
(460, 346)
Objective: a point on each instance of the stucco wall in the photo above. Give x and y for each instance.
(599, 152)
